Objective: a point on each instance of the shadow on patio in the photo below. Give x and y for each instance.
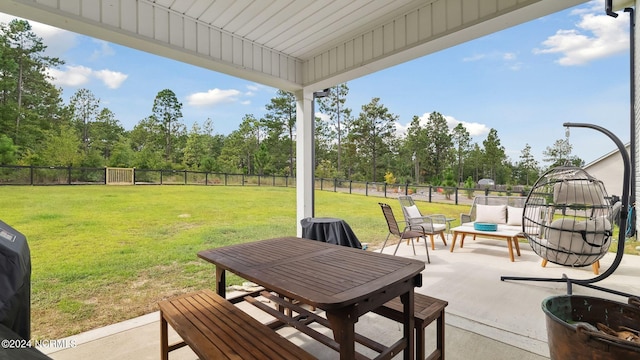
(486, 318)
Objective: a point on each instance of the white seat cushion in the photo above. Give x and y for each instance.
(429, 229)
(439, 227)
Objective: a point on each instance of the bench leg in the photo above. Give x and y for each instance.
(420, 351)
(438, 354)
(164, 339)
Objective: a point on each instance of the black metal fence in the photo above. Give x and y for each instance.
(55, 175)
(50, 175)
(58, 175)
(428, 193)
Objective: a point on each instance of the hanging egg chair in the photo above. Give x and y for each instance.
(567, 218)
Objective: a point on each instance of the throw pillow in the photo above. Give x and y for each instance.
(581, 193)
(412, 212)
(514, 215)
(495, 214)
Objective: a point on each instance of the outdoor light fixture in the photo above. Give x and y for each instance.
(316, 95)
(321, 94)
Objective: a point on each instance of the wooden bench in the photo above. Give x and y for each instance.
(216, 329)
(426, 309)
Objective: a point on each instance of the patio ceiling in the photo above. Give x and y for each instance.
(287, 44)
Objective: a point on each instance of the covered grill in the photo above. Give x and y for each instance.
(15, 281)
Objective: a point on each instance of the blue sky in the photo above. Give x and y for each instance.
(525, 82)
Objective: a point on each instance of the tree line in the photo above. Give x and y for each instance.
(38, 128)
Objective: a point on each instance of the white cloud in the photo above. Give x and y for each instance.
(112, 79)
(474, 129)
(596, 36)
(401, 130)
(104, 49)
(509, 59)
(476, 57)
(76, 76)
(254, 89)
(325, 118)
(509, 56)
(213, 97)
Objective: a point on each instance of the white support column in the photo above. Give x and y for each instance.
(304, 156)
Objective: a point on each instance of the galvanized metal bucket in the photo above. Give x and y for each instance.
(570, 336)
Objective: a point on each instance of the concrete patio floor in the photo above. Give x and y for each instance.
(486, 318)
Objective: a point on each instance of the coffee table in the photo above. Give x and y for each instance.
(510, 235)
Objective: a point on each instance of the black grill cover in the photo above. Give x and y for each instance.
(329, 230)
(15, 281)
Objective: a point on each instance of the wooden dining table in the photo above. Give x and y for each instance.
(344, 282)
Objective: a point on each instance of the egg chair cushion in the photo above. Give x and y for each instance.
(576, 242)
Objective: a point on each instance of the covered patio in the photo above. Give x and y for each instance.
(305, 47)
(486, 318)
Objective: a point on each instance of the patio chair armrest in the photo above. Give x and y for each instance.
(418, 228)
(420, 219)
(465, 218)
(438, 218)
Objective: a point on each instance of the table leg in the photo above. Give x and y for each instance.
(221, 281)
(409, 323)
(453, 242)
(517, 244)
(510, 246)
(343, 326)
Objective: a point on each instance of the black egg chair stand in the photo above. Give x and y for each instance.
(622, 222)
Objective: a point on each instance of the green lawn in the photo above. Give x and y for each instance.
(103, 254)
